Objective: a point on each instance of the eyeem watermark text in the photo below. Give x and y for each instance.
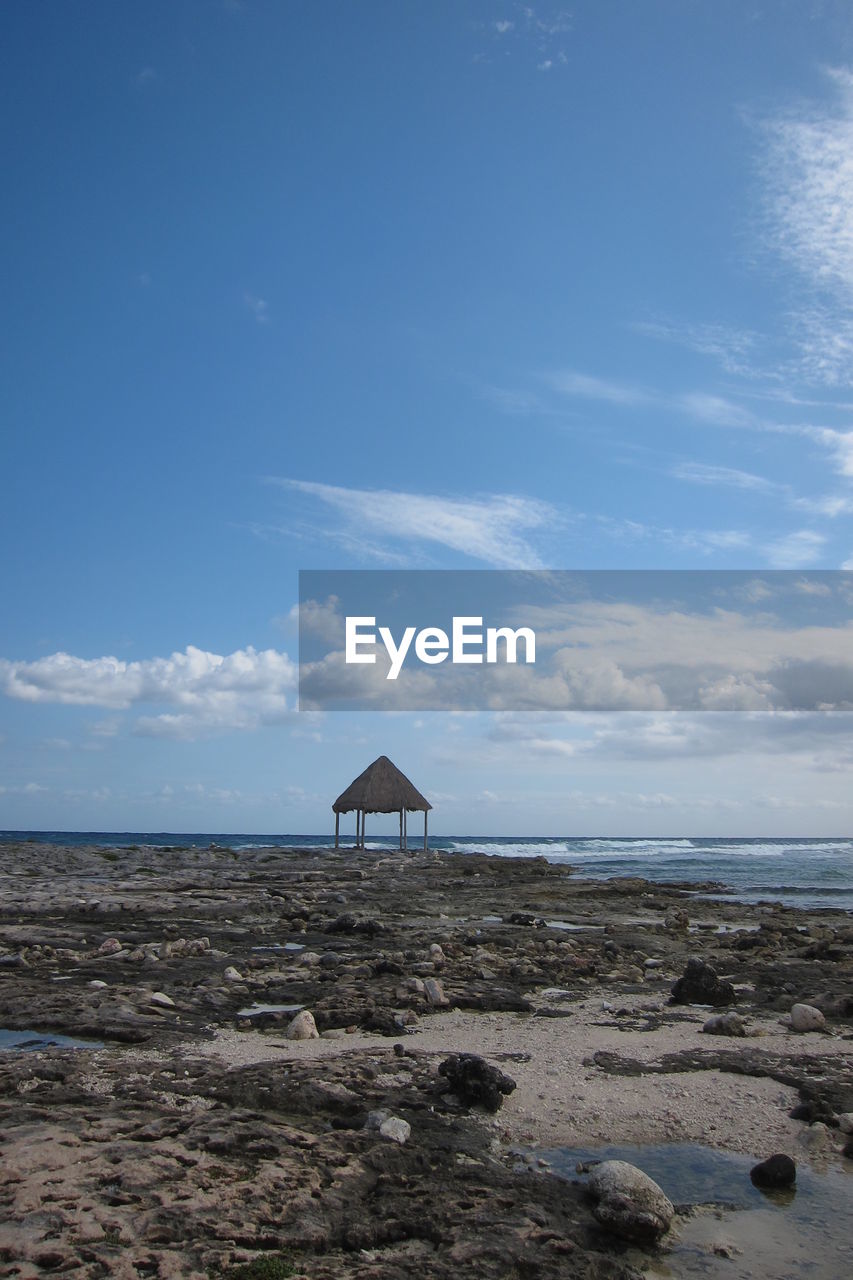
(468, 642)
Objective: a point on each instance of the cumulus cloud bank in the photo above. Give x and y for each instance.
(206, 691)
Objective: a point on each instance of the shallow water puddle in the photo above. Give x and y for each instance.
(737, 1231)
(253, 1010)
(568, 927)
(32, 1041)
(279, 946)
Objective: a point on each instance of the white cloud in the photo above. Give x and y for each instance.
(240, 690)
(727, 477)
(729, 346)
(808, 176)
(491, 528)
(259, 307)
(795, 550)
(839, 443)
(571, 383)
(147, 76)
(809, 172)
(715, 410)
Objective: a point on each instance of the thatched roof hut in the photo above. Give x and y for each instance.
(382, 788)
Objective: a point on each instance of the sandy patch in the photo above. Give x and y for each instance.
(563, 1099)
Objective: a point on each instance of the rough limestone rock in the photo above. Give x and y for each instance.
(395, 1129)
(699, 984)
(475, 1081)
(725, 1024)
(676, 921)
(805, 1017)
(232, 975)
(303, 1027)
(629, 1202)
(775, 1171)
(109, 947)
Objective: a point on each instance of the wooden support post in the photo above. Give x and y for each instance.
(405, 830)
(337, 829)
(401, 828)
(425, 830)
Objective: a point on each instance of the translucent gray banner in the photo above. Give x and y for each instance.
(600, 640)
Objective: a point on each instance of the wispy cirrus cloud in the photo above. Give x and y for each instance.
(706, 407)
(828, 505)
(807, 172)
(570, 382)
(726, 477)
(732, 348)
(493, 528)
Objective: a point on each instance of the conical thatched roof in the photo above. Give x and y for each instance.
(382, 788)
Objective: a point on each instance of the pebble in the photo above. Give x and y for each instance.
(845, 1122)
(109, 947)
(805, 1017)
(303, 1027)
(725, 1024)
(232, 975)
(160, 998)
(97, 984)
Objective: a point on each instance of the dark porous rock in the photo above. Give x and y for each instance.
(847, 1151)
(814, 1109)
(725, 1024)
(775, 1171)
(475, 1081)
(699, 984)
(523, 917)
(349, 923)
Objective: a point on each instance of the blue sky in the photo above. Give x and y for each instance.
(427, 285)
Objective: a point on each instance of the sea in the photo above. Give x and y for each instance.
(803, 872)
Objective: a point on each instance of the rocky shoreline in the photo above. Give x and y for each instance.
(203, 1141)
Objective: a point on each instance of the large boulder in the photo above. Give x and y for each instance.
(699, 984)
(628, 1202)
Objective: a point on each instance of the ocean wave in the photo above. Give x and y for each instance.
(614, 842)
